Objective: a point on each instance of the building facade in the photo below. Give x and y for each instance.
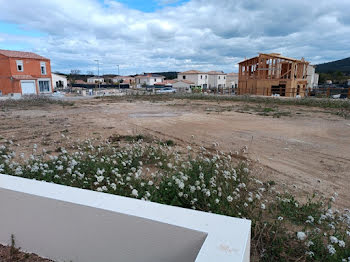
(200, 79)
(59, 81)
(312, 78)
(24, 73)
(232, 81)
(148, 80)
(95, 80)
(216, 80)
(273, 74)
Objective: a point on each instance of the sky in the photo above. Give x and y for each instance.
(172, 35)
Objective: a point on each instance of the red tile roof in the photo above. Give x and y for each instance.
(192, 72)
(215, 73)
(23, 77)
(185, 81)
(19, 54)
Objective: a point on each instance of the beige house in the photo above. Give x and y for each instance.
(216, 80)
(198, 78)
(95, 79)
(232, 81)
(148, 80)
(183, 86)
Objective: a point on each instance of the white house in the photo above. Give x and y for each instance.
(232, 80)
(59, 81)
(183, 86)
(95, 79)
(216, 80)
(312, 77)
(197, 77)
(148, 79)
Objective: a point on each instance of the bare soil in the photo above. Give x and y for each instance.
(304, 149)
(14, 255)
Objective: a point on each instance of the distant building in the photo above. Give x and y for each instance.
(198, 78)
(24, 73)
(329, 82)
(216, 80)
(59, 81)
(183, 86)
(124, 79)
(232, 80)
(273, 74)
(148, 79)
(95, 80)
(312, 77)
(348, 82)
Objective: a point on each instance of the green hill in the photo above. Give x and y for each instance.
(342, 66)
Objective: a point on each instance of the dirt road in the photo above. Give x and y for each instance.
(307, 149)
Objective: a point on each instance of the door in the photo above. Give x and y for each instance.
(28, 87)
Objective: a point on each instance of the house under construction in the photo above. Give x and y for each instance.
(273, 74)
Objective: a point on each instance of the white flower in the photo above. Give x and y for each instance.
(280, 218)
(309, 243)
(301, 236)
(263, 206)
(309, 253)
(341, 243)
(150, 183)
(217, 201)
(331, 249)
(229, 198)
(135, 193)
(169, 165)
(333, 239)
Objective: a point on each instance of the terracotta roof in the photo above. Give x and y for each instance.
(19, 54)
(192, 72)
(169, 81)
(23, 77)
(215, 73)
(149, 75)
(232, 74)
(185, 81)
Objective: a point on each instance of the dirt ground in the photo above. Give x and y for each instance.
(304, 149)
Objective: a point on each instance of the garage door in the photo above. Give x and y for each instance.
(28, 87)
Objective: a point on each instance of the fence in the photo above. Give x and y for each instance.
(70, 224)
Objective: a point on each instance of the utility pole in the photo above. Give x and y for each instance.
(118, 69)
(98, 73)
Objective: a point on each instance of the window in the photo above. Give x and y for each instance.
(155, 80)
(201, 77)
(219, 77)
(19, 65)
(205, 77)
(43, 68)
(183, 77)
(224, 77)
(44, 86)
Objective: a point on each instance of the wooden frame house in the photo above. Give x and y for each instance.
(273, 74)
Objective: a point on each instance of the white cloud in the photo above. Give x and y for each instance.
(201, 34)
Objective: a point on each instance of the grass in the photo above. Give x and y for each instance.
(30, 102)
(283, 229)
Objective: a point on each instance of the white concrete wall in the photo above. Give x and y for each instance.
(95, 80)
(56, 78)
(71, 224)
(197, 79)
(216, 81)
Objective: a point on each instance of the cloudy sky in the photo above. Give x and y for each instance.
(172, 35)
